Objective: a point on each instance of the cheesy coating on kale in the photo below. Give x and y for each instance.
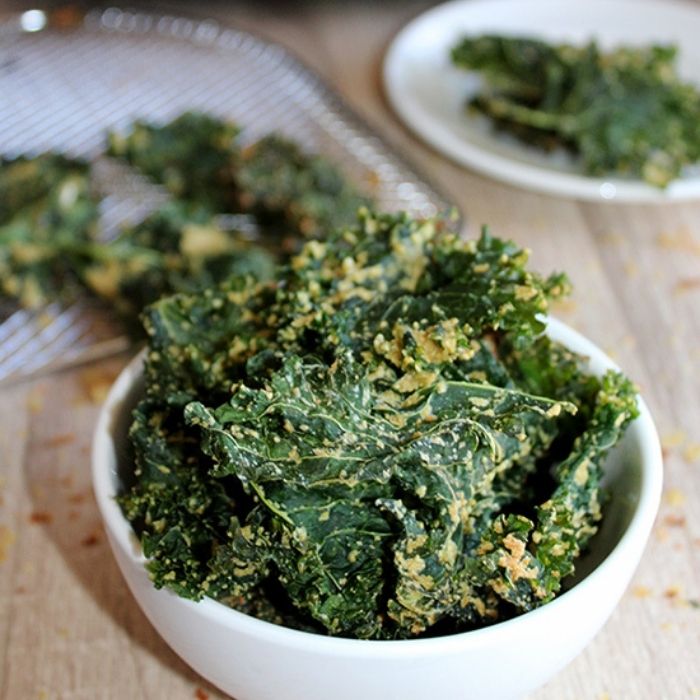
(380, 443)
(625, 111)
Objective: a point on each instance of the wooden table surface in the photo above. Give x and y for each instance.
(69, 628)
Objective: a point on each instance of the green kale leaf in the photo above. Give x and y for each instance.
(301, 193)
(624, 111)
(48, 219)
(178, 248)
(381, 442)
(194, 156)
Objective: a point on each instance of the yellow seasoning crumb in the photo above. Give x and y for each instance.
(605, 696)
(631, 268)
(7, 538)
(641, 592)
(45, 319)
(681, 240)
(611, 238)
(564, 306)
(40, 517)
(60, 440)
(35, 400)
(672, 592)
(687, 284)
(675, 520)
(674, 439)
(675, 497)
(692, 452)
(662, 534)
(96, 383)
(38, 492)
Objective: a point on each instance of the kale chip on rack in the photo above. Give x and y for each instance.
(48, 220)
(198, 158)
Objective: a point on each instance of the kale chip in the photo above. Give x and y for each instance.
(298, 192)
(48, 220)
(624, 111)
(179, 248)
(378, 443)
(194, 156)
(233, 213)
(292, 194)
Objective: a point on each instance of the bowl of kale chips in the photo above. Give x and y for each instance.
(384, 474)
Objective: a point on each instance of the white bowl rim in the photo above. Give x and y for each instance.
(635, 536)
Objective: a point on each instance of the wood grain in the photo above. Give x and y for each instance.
(69, 628)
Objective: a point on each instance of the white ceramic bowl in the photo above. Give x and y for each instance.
(255, 660)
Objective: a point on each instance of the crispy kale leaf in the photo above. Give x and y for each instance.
(182, 510)
(304, 194)
(329, 461)
(48, 218)
(402, 450)
(178, 248)
(194, 156)
(625, 111)
(201, 343)
(527, 559)
(24, 181)
(48, 215)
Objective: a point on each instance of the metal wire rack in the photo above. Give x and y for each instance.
(63, 86)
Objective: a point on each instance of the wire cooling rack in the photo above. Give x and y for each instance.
(65, 80)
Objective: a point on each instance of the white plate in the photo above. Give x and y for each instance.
(429, 93)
